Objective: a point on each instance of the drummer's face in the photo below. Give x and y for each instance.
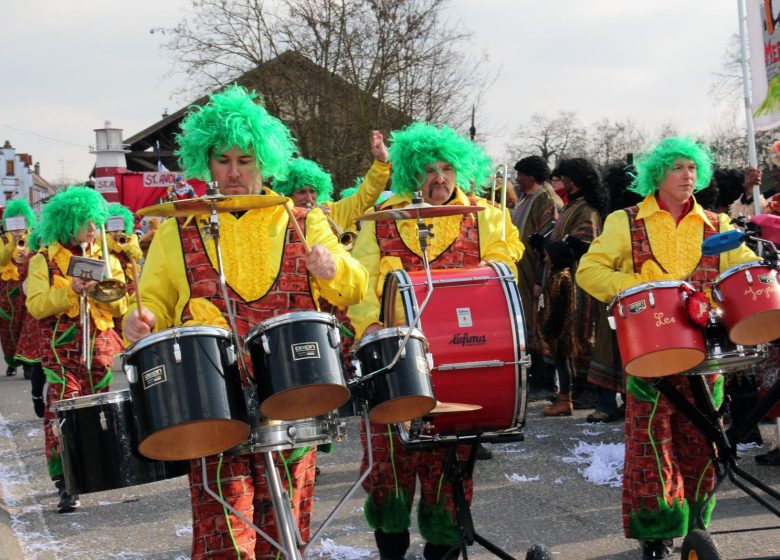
(439, 182)
(305, 197)
(236, 172)
(677, 185)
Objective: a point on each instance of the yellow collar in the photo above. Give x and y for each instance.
(649, 206)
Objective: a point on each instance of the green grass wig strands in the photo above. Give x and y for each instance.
(68, 212)
(651, 167)
(116, 209)
(305, 173)
(420, 144)
(19, 207)
(233, 118)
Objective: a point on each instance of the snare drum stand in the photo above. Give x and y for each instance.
(456, 472)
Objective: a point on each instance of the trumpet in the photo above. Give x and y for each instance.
(21, 243)
(346, 238)
(108, 289)
(502, 168)
(121, 239)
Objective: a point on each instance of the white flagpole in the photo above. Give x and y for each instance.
(751, 134)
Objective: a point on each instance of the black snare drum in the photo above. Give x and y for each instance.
(187, 393)
(404, 391)
(723, 355)
(99, 445)
(297, 366)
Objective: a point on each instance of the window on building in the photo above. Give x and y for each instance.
(9, 167)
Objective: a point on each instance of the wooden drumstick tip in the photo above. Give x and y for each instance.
(288, 206)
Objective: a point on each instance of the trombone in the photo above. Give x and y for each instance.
(346, 238)
(108, 289)
(84, 316)
(503, 169)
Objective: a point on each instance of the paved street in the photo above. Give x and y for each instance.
(531, 492)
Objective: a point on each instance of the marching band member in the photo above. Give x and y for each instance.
(14, 258)
(233, 140)
(443, 165)
(668, 470)
(68, 220)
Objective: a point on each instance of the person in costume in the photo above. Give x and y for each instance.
(14, 258)
(534, 213)
(668, 472)
(232, 140)
(123, 243)
(68, 225)
(443, 165)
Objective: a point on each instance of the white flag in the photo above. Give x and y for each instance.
(763, 28)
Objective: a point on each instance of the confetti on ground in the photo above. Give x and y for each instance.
(329, 549)
(514, 477)
(604, 462)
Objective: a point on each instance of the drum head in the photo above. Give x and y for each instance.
(665, 362)
(191, 440)
(401, 409)
(296, 403)
(759, 328)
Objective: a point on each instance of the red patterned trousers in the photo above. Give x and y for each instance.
(12, 304)
(396, 468)
(242, 483)
(668, 461)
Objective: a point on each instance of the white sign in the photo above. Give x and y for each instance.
(10, 182)
(105, 185)
(159, 179)
(115, 223)
(17, 223)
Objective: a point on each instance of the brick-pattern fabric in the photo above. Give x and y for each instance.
(243, 485)
(428, 465)
(243, 478)
(12, 303)
(681, 470)
(65, 360)
(28, 347)
(394, 463)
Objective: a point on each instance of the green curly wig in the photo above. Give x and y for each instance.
(233, 118)
(68, 211)
(421, 144)
(116, 209)
(19, 207)
(651, 167)
(305, 173)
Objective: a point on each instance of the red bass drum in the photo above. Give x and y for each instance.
(474, 325)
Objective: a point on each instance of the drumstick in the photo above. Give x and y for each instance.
(296, 225)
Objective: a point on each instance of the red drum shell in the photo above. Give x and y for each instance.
(474, 318)
(749, 298)
(656, 338)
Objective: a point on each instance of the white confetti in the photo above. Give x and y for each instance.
(604, 462)
(329, 549)
(514, 477)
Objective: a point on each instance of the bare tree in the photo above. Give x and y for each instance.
(726, 89)
(552, 138)
(359, 65)
(611, 141)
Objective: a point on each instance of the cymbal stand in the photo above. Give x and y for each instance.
(214, 232)
(456, 472)
(423, 234)
(280, 500)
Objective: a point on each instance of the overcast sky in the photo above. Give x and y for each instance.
(68, 66)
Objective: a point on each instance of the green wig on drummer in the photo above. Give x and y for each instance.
(19, 207)
(420, 145)
(68, 212)
(231, 118)
(652, 166)
(304, 173)
(115, 209)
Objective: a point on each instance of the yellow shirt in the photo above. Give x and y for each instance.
(445, 231)
(607, 268)
(346, 212)
(7, 248)
(47, 298)
(251, 247)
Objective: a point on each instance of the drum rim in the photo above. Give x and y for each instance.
(740, 267)
(389, 332)
(180, 332)
(660, 284)
(86, 401)
(292, 317)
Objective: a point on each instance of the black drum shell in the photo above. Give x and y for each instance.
(201, 391)
(302, 375)
(96, 459)
(409, 380)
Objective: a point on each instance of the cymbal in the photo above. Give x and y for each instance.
(420, 210)
(450, 407)
(202, 205)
